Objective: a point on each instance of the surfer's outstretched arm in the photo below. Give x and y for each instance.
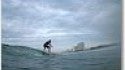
(50, 45)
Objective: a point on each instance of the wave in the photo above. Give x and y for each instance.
(20, 51)
(104, 46)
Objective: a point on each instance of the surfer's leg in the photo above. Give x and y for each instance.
(49, 49)
(44, 48)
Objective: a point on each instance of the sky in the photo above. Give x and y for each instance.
(66, 22)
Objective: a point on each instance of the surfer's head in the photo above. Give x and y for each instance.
(49, 40)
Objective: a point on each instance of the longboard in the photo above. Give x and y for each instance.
(45, 53)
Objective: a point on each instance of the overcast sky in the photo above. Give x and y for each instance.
(66, 22)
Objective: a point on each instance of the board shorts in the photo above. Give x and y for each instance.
(45, 46)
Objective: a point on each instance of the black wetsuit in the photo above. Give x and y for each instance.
(46, 45)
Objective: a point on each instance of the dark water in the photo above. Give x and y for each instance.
(108, 58)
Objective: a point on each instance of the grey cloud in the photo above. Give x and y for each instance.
(63, 21)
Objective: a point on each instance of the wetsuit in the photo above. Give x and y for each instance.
(46, 45)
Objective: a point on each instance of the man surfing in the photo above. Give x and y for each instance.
(47, 45)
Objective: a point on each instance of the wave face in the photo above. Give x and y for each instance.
(25, 58)
(20, 51)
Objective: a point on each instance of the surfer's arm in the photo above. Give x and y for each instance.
(50, 45)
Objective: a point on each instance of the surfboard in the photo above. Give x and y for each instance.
(45, 53)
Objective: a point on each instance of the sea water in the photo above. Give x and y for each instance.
(108, 58)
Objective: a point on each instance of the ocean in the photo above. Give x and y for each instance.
(23, 58)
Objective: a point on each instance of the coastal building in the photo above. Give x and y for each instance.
(79, 47)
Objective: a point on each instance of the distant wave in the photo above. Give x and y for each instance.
(105, 45)
(20, 51)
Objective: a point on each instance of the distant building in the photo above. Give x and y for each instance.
(80, 47)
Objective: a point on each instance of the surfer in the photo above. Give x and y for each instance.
(48, 46)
